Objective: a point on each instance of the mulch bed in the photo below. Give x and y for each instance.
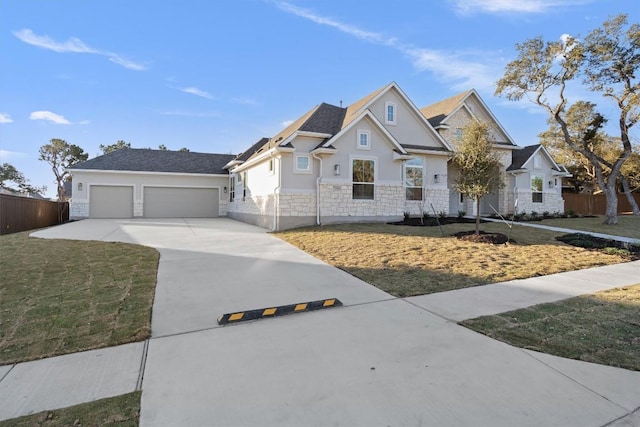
(433, 222)
(483, 237)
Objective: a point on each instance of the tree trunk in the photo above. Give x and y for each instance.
(611, 212)
(477, 216)
(627, 192)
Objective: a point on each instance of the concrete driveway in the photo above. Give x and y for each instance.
(377, 361)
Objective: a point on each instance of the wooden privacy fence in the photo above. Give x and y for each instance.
(595, 204)
(24, 213)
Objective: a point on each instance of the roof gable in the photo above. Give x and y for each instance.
(441, 111)
(519, 158)
(147, 160)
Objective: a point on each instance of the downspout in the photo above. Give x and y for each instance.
(276, 191)
(318, 181)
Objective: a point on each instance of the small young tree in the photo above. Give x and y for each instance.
(60, 155)
(478, 164)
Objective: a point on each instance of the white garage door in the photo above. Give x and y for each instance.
(109, 201)
(182, 202)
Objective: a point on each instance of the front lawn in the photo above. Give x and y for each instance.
(64, 296)
(601, 328)
(628, 225)
(121, 411)
(407, 261)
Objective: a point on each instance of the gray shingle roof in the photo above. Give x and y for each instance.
(520, 157)
(147, 160)
(326, 119)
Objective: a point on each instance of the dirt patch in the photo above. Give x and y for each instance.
(483, 237)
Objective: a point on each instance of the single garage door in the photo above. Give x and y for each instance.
(180, 202)
(110, 201)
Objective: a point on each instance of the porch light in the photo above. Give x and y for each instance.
(225, 190)
(79, 186)
(436, 178)
(336, 170)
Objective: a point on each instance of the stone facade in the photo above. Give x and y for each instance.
(78, 209)
(551, 202)
(438, 197)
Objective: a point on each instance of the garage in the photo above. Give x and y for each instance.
(111, 201)
(180, 202)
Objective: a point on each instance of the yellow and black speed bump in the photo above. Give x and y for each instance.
(261, 313)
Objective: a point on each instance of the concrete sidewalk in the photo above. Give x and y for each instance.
(567, 230)
(378, 360)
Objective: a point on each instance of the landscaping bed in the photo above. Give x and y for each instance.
(608, 246)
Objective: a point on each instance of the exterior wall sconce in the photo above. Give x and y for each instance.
(79, 186)
(436, 178)
(336, 169)
(225, 190)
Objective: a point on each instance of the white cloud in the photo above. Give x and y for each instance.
(72, 45)
(460, 69)
(126, 63)
(468, 7)
(345, 28)
(5, 118)
(6, 155)
(287, 123)
(49, 116)
(197, 92)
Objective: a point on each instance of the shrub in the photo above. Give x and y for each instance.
(461, 214)
(617, 251)
(442, 214)
(546, 214)
(406, 215)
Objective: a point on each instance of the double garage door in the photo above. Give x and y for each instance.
(109, 201)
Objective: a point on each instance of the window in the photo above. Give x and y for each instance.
(363, 175)
(271, 166)
(364, 142)
(232, 188)
(390, 113)
(536, 189)
(244, 187)
(461, 197)
(536, 161)
(413, 173)
(303, 163)
(459, 133)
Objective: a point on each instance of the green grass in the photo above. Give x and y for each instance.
(121, 411)
(628, 225)
(407, 261)
(64, 296)
(601, 328)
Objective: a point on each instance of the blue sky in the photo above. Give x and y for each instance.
(216, 76)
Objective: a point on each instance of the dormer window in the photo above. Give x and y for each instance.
(390, 113)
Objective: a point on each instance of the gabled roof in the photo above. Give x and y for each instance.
(322, 119)
(520, 157)
(437, 112)
(329, 121)
(356, 111)
(147, 160)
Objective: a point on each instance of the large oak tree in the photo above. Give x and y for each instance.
(605, 61)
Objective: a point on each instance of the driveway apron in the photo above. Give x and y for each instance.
(376, 361)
